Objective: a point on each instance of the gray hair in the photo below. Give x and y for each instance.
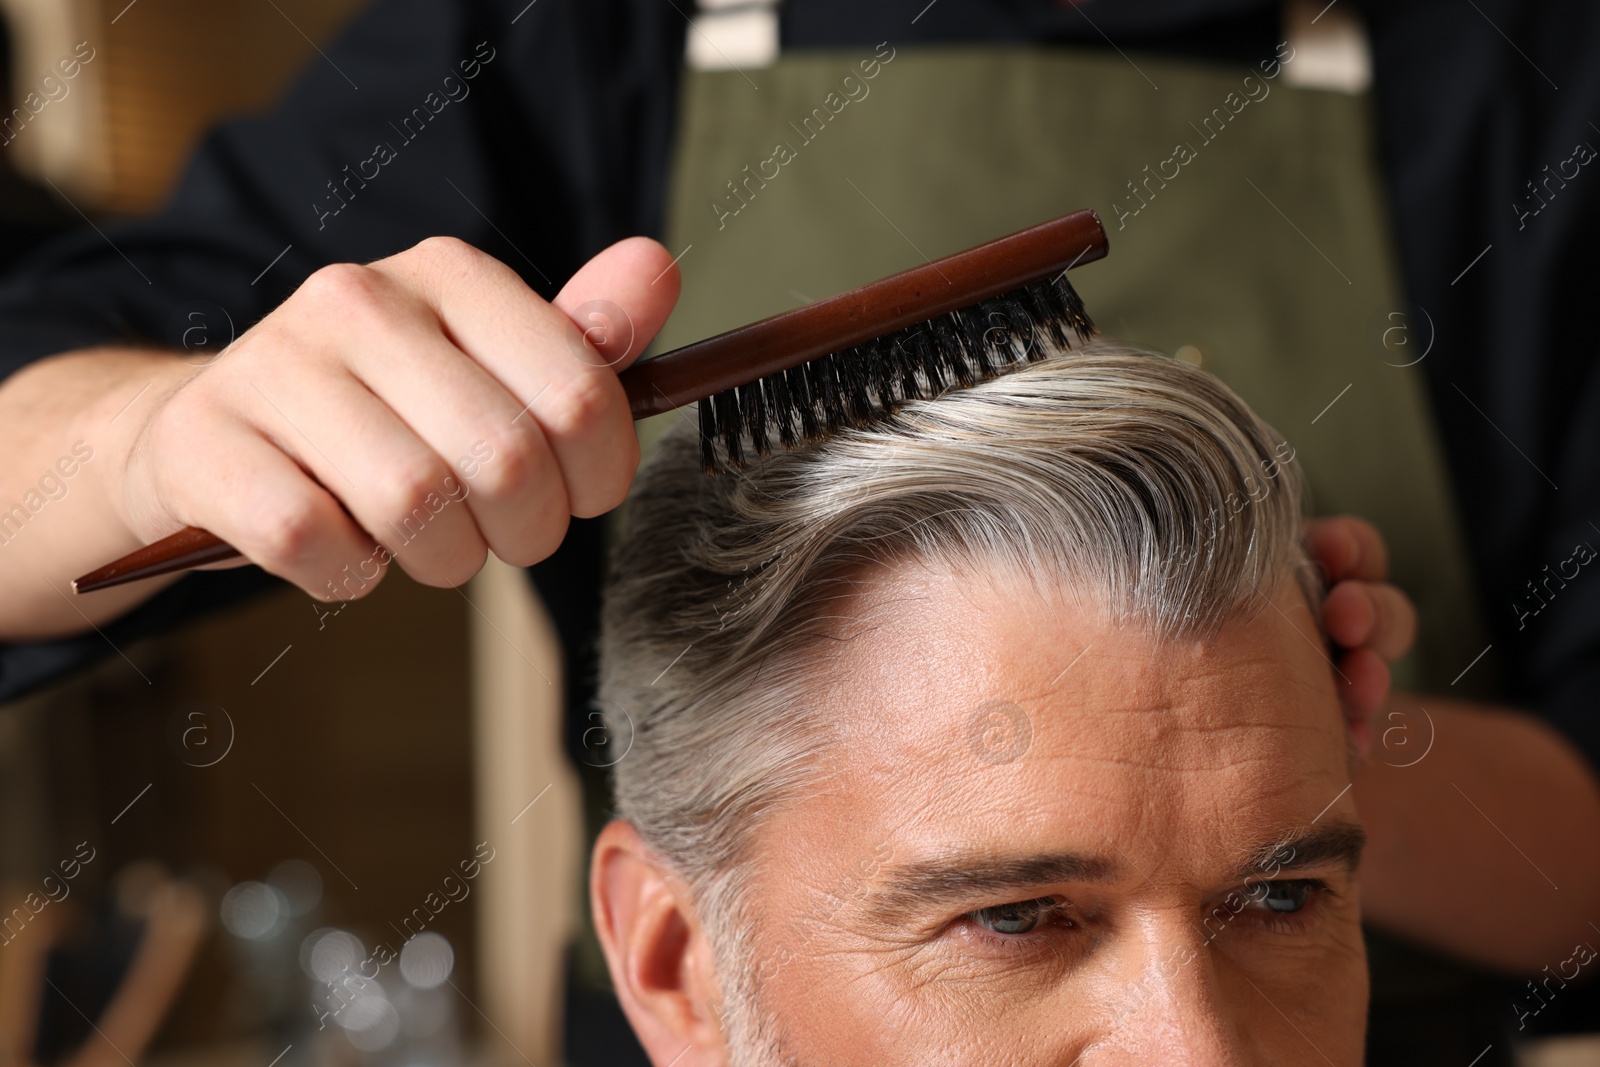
(1130, 478)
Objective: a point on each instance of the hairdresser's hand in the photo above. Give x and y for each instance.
(1371, 621)
(430, 403)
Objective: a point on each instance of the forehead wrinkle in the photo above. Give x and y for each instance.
(1159, 760)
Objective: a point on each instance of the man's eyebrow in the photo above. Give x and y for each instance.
(960, 877)
(1338, 843)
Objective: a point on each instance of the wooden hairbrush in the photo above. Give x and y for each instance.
(800, 376)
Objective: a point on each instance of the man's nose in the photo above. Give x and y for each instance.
(1177, 1012)
(1189, 1022)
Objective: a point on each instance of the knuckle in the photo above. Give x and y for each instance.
(410, 488)
(518, 456)
(286, 534)
(584, 401)
(448, 256)
(344, 287)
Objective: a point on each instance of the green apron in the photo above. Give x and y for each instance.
(1268, 252)
(1247, 229)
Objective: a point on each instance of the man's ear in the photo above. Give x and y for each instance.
(660, 961)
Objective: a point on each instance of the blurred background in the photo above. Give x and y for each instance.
(196, 894)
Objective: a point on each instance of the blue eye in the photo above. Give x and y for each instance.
(1021, 917)
(1283, 898)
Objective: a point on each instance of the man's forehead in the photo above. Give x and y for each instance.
(1023, 721)
(930, 651)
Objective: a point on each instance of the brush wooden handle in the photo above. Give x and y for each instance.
(189, 547)
(694, 372)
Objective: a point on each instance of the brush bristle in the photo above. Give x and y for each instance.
(861, 385)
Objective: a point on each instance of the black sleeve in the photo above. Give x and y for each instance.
(538, 132)
(1488, 114)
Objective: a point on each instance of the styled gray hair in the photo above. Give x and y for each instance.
(1138, 482)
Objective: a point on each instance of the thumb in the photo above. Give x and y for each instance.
(621, 298)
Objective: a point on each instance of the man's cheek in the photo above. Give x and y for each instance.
(843, 1014)
(1325, 965)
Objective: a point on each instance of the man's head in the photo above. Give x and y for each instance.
(1000, 733)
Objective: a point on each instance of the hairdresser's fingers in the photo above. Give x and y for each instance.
(636, 277)
(1347, 547)
(504, 470)
(540, 356)
(393, 483)
(1370, 615)
(242, 487)
(1363, 682)
(495, 458)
